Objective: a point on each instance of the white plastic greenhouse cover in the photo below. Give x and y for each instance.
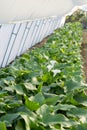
(25, 23)
(20, 10)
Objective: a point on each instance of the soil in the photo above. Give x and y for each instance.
(84, 59)
(40, 44)
(84, 53)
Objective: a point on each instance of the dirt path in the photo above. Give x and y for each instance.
(40, 44)
(84, 59)
(84, 53)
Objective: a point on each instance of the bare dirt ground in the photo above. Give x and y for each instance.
(84, 53)
(84, 59)
(40, 44)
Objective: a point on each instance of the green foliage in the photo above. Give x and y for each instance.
(78, 16)
(2, 126)
(44, 89)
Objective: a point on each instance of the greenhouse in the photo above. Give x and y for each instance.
(43, 65)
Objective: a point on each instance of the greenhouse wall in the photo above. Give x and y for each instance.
(15, 39)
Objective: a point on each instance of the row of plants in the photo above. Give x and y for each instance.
(44, 89)
(78, 16)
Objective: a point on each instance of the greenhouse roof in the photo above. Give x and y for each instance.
(22, 10)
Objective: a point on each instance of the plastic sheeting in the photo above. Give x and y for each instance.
(84, 8)
(21, 10)
(15, 39)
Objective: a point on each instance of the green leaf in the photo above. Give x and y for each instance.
(3, 94)
(27, 121)
(43, 110)
(80, 127)
(29, 86)
(65, 107)
(72, 85)
(47, 88)
(39, 98)
(50, 119)
(20, 89)
(9, 89)
(52, 99)
(31, 104)
(2, 126)
(2, 111)
(20, 125)
(46, 77)
(9, 118)
(79, 113)
(35, 81)
(24, 110)
(82, 98)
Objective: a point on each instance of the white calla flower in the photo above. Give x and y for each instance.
(55, 72)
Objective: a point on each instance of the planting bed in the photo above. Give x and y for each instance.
(44, 89)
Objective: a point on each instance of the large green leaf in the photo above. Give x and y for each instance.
(31, 104)
(43, 110)
(65, 107)
(27, 121)
(9, 118)
(82, 98)
(51, 119)
(47, 88)
(20, 89)
(39, 98)
(79, 113)
(80, 127)
(2, 126)
(72, 85)
(52, 99)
